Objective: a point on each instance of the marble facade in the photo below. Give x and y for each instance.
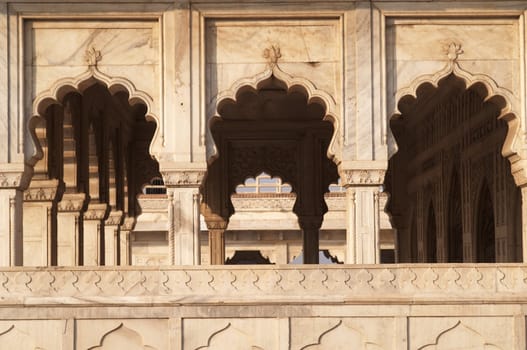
(402, 102)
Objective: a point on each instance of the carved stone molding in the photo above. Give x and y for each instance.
(96, 211)
(358, 177)
(183, 178)
(71, 202)
(114, 218)
(153, 205)
(10, 179)
(449, 283)
(275, 203)
(128, 224)
(43, 190)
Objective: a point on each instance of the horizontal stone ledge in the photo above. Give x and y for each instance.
(258, 284)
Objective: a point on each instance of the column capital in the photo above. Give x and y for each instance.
(183, 177)
(41, 190)
(15, 176)
(114, 218)
(362, 177)
(96, 211)
(72, 202)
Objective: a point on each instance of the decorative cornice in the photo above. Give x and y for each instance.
(183, 178)
(41, 190)
(71, 202)
(362, 177)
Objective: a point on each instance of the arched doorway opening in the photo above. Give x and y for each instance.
(275, 129)
(94, 142)
(449, 138)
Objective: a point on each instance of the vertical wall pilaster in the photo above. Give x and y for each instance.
(93, 232)
(69, 227)
(111, 229)
(184, 223)
(362, 191)
(37, 222)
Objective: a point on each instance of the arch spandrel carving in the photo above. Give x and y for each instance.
(292, 84)
(56, 93)
(486, 87)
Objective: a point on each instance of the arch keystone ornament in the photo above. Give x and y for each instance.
(292, 84)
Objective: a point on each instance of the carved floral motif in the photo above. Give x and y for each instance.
(10, 180)
(72, 202)
(363, 177)
(184, 178)
(41, 191)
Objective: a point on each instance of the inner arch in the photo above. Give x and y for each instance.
(279, 130)
(450, 136)
(94, 151)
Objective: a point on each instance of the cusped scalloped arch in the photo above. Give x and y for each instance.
(509, 111)
(293, 84)
(56, 93)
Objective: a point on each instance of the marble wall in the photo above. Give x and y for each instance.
(363, 307)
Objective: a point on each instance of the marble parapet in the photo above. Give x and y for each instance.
(344, 284)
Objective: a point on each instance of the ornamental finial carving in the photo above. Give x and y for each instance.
(92, 56)
(453, 51)
(272, 55)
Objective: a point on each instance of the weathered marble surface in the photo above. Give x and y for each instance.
(445, 283)
(284, 307)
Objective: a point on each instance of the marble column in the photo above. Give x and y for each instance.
(93, 232)
(11, 229)
(111, 234)
(310, 226)
(69, 228)
(38, 222)
(217, 242)
(363, 220)
(125, 230)
(184, 224)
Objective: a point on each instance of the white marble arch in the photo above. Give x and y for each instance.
(486, 86)
(293, 83)
(61, 87)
